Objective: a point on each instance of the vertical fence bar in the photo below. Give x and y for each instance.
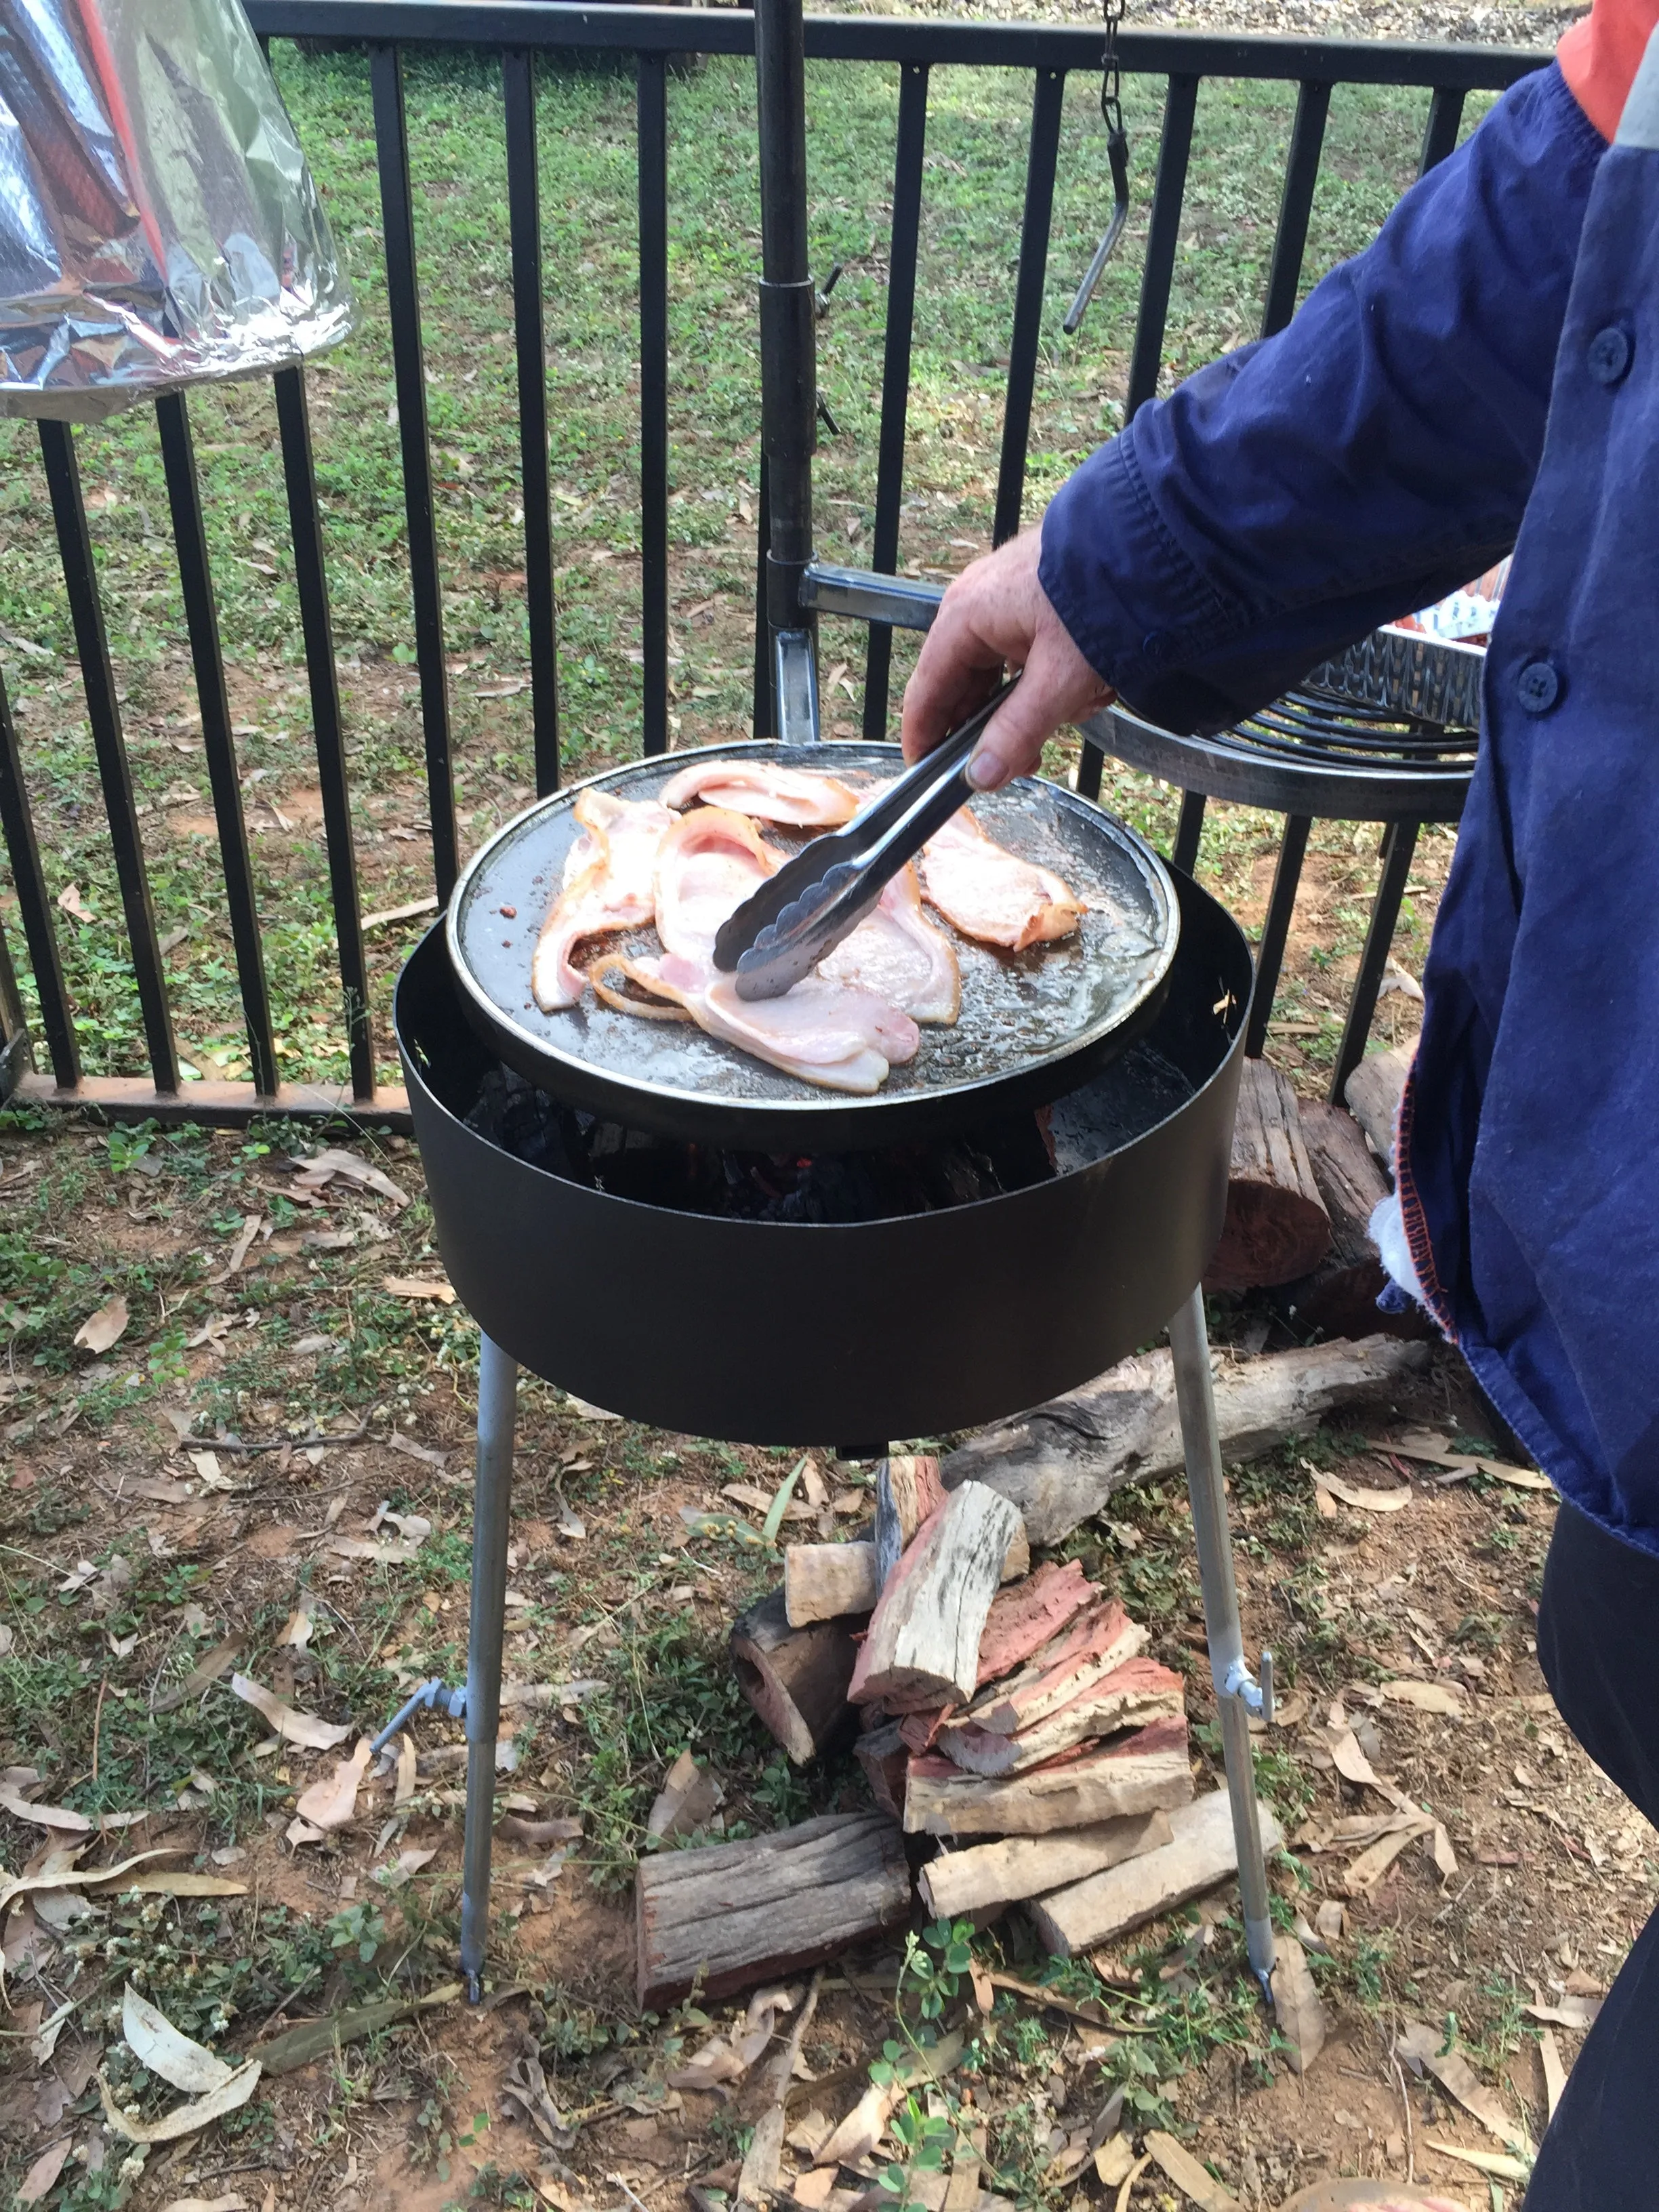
(1399, 845)
(1034, 229)
(195, 575)
(16, 1054)
(35, 905)
(1276, 930)
(1313, 105)
(895, 375)
(409, 368)
(1440, 133)
(766, 707)
(328, 727)
(523, 216)
(652, 109)
(114, 773)
(1188, 830)
(1163, 235)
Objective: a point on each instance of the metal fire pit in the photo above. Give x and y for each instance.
(774, 1331)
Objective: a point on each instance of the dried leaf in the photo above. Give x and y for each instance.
(1574, 2012)
(688, 1798)
(285, 2053)
(44, 2171)
(588, 1410)
(1369, 1868)
(405, 1784)
(391, 1553)
(296, 1629)
(70, 902)
(757, 2182)
(1187, 2175)
(207, 1670)
(43, 1816)
(303, 1729)
(706, 2070)
(1490, 2162)
(182, 2119)
(331, 1803)
(1296, 2007)
(1445, 1858)
(154, 2042)
(323, 1166)
(1367, 1501)
(1437, 1451)
(230, 2203)
(570, 1524)
(863, 2128)
(182, 1882)
(526, 2086)
(1428, 1698)
(775, 1510)
(1114, 2160)
(99, 1330)
(417, 1287)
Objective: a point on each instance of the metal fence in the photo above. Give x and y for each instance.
(522, 30)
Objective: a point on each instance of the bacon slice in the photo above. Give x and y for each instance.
(609, 884)
(831, 1034)
(897, 953)
(799, 796)
(708, 863)
(990, 893)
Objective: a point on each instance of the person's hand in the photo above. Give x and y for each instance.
(996, 614)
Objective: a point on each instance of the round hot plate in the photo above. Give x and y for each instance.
(1033, 1025)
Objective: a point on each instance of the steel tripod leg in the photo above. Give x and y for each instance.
(1236, 1692)
(498, 1385)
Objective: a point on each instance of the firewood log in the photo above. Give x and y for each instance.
(1144, 1773)
(1024, 1619)
(826, 1581)
(1103, 1906)
(1060, 1463)
(925, 1632)
(1030, 1866)
(908, 1489)
(1276, 1227)
(1339, 1297)
(796, 1678)
(746, 1912)
(882, 1754)
(1373, 1092)
(1095, 1645)
(1130, 1696)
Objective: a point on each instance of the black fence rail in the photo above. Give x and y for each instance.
(523, 31)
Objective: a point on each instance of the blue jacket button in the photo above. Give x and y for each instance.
(1609, 354)
(1539, 687)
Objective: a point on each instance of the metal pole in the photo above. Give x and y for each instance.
(1236, 1694)
(788, 314)
(498, 1386)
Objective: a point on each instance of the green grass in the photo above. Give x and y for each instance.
(977, 128)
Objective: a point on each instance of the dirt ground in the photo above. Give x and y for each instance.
(318, 1350)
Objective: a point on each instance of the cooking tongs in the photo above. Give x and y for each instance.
(802, 913)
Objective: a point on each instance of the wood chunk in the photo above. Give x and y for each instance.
(1105, 1906)
(1130, 1696)
(1374, 1091)
(1144, 1773)
(1029, 1866)
(925, 1632)
(1060, 1463)
(746, 1912)
(796, 1678)
(885, 1758)
(1022, 1619)
(826, 1581)
(1097, 1643)
(1276, 1227)
(1017, 1561)
(1339, 1297)
(908, 1489)
(920, 1731)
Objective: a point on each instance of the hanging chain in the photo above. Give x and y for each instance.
(1111, 106)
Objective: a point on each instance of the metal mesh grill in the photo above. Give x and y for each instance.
(1314, 731)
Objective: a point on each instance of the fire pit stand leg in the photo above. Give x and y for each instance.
(1237, 1693)
(498, 1386)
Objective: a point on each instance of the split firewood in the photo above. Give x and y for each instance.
(924, 1633)
(827, 1582)
(1060, 1463)
(920, 1731)
(1131, 1697)
(735, 1914)
(1106, 1905)
(1145, 1772)
(1024, 1618)
(796, 1678)
(1096, 1644)
(908, 1489)
(1374, 1091)
(1276, 1227)
(989, 1875)
(886, 1758)
(1339, 1297)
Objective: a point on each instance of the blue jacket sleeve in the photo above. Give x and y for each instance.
(1373, 456)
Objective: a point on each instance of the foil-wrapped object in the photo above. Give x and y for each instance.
(158, 224)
